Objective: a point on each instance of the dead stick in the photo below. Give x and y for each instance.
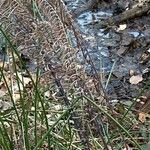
(128, 14)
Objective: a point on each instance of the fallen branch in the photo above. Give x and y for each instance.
(128, 14)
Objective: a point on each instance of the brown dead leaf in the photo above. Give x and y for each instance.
(143, 116)
(136, 79)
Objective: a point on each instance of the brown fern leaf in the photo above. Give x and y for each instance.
(44, 38)
(38, 29)
(42, 35)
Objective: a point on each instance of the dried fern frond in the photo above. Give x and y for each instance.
(40, 29)
(42, 37)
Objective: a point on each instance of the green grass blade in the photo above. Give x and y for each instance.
(114, 120)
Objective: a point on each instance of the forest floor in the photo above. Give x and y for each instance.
(122, 49)
(55, 100)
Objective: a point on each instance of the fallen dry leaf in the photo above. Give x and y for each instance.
(122, 27)
(142, 117)
(136, 79)
(131, 72)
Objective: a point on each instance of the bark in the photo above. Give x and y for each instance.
(129, 14)
(126, 15)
